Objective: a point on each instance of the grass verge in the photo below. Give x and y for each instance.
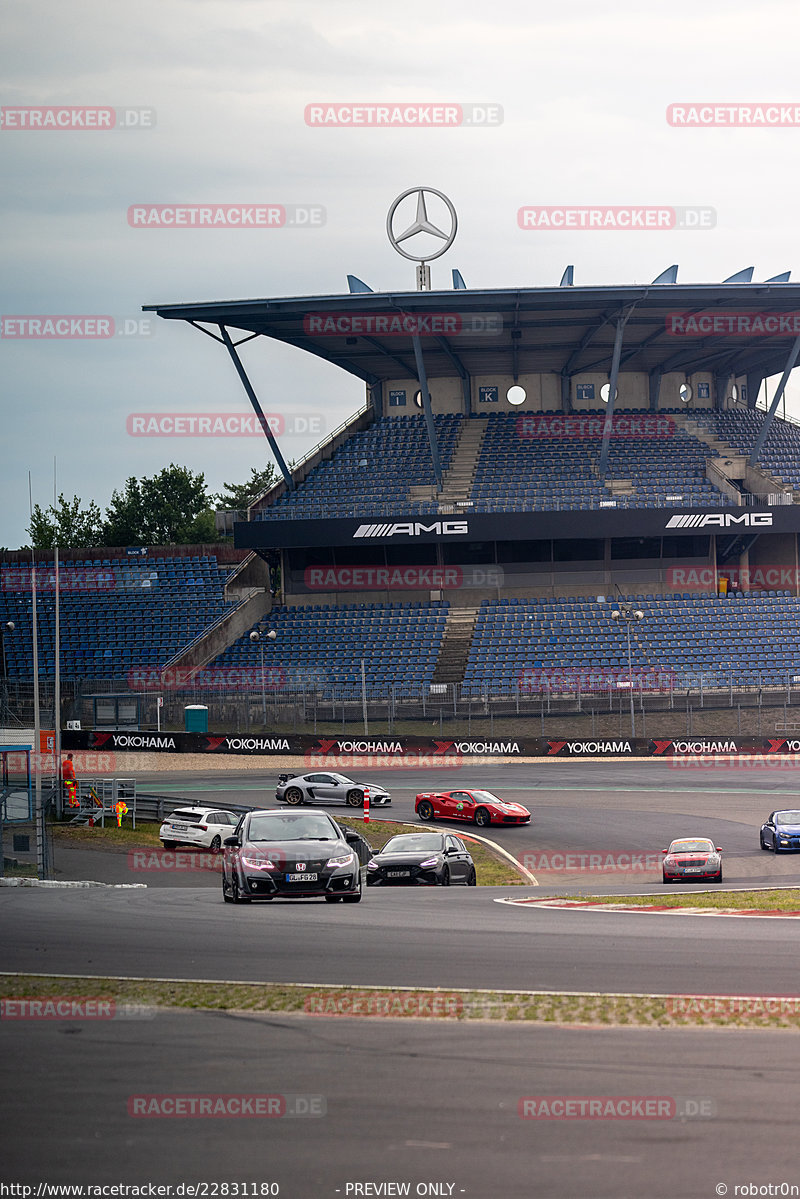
(778, 900)
(140, 999)
(110, 837)
(492, 870)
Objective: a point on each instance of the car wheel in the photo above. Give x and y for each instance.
(355, 799)
(718, 877)
(425, 810)
(332, 898)
(169, 844)
(236, 895)
(225, 895)
(216, 845)
(446, 877)
(472, 881)
(763, 845)
(354, 898)
(294, 796)
(664, 879)
(775, 847)
(483, 817)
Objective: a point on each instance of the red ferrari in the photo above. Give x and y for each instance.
(479, 806)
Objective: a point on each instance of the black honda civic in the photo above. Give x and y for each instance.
(424, 859)
(290, 855)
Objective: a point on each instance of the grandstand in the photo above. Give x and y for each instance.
(466, 529)
(117, 614)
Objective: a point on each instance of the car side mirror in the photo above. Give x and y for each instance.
(231, 842)
(450, 851)
(665, 851)
(718, 848)
(351, 836)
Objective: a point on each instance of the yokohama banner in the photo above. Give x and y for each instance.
(431, 749)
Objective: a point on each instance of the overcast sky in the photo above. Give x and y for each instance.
(584, 90)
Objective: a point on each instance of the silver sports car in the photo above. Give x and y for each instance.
(328, 788)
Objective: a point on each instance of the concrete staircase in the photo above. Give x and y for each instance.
(457, 480)
(721, 448)
(733, 464)
(452, 661)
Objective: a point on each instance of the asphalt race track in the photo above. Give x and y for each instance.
(409, 1101)
(424, 1101)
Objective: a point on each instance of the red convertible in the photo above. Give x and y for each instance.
(479, 806)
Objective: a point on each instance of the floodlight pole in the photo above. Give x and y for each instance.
(630, 615)
(364, 698)
(256, 636)
(57, 699)
(38, 815)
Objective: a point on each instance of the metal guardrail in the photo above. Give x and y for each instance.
(152, 807)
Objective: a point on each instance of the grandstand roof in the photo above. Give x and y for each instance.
(548, 329)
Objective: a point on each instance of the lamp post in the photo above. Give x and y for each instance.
(7, 627)
(630, 616)
(259, 637)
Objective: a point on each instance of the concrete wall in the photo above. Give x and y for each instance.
(544, 392)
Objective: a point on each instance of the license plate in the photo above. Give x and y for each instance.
(180, 828)
(694, 869)
(301, 878)
(398, 874)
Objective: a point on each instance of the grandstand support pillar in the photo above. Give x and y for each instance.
(253, 398)
(754, 381)
(426, 407)
(720, 387)
(612, 393)
(565, 393)
(375, 397)
(744, 569)
(654, 386)
(776, 399)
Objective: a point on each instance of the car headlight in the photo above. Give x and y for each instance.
(347, 860)
(426, 865)
(258, 863)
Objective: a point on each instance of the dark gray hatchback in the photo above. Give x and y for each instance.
(290, 855)
(422, 859)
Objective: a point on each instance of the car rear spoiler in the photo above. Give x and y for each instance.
(282, 778)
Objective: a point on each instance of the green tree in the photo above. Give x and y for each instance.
(66, 524)
(241, 495)
(170, 508)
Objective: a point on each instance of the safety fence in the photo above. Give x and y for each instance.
(570, 703)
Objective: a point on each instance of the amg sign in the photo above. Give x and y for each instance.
(721, 520)
(413, 529)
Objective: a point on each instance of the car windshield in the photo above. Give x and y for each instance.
(787, 817)
(414, 843)
(290, 826)
(698, 846)
(485, 797)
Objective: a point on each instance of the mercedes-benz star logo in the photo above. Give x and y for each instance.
(421, 225)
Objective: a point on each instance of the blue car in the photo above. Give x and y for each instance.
(781, 831)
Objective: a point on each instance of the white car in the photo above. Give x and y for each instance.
(205, 827)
